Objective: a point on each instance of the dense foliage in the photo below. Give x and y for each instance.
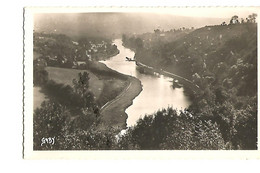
(40, 75)
(66, 109)
(168, 129)
(222, 61)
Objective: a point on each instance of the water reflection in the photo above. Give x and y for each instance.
(157, 90)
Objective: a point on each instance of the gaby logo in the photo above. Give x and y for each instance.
(48, 140)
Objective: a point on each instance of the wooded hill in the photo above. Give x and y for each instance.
(222, 61)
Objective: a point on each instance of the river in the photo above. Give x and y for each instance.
(157, 91)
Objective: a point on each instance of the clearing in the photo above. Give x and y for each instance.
(66, 75)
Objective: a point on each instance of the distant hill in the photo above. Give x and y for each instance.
(209, 45)
(113, 25)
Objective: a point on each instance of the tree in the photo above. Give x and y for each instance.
(246, 127)
(234, 20)
(157, 31)
(81, 88)
(84, 42)
(40, 75)
(168, 130)
(242, 20)
(81, 85)
(196, 136)
(223, 24)
(252, 18)
(124, 38)
(139, 43)
(48, 121)
(254, 15)
(60, 59)
(91, 139)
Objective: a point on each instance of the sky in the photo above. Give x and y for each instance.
(215, 12)
(113, 22)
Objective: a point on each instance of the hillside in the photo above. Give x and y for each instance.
(61, 50)
(222, 61)
(204, 44)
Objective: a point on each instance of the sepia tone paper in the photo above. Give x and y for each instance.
(112, 23)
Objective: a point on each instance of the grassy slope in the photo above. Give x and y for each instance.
(113, 113)
(112, 87)
(114, 82)
(118, 94)
(114, 91)
(65, 76)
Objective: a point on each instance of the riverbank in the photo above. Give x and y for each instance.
(114, 92)
(106, 57)
(157, 92)
(186, 82)
(112, 113)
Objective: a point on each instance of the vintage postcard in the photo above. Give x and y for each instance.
(153, 83)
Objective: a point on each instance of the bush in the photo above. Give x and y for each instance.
(168, 130)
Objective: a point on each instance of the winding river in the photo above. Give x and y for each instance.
(157, 91)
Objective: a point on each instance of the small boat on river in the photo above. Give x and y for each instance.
(176, 84)
(129, 59)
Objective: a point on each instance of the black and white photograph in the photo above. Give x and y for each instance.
(127, 79)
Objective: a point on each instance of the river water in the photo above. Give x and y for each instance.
(157, 91)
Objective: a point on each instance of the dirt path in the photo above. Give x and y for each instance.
(113, 113)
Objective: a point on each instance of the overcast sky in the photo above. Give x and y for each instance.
(214, 12)
(116, 21)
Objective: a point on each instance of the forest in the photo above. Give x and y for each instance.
(222, 61)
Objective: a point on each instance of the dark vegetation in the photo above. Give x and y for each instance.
(148, 40)
(70, 109)
(168, 129)
(221, 60)
(61, 51)
(72, 117)
(66, 105)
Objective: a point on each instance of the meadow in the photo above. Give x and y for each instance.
(65, 76)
